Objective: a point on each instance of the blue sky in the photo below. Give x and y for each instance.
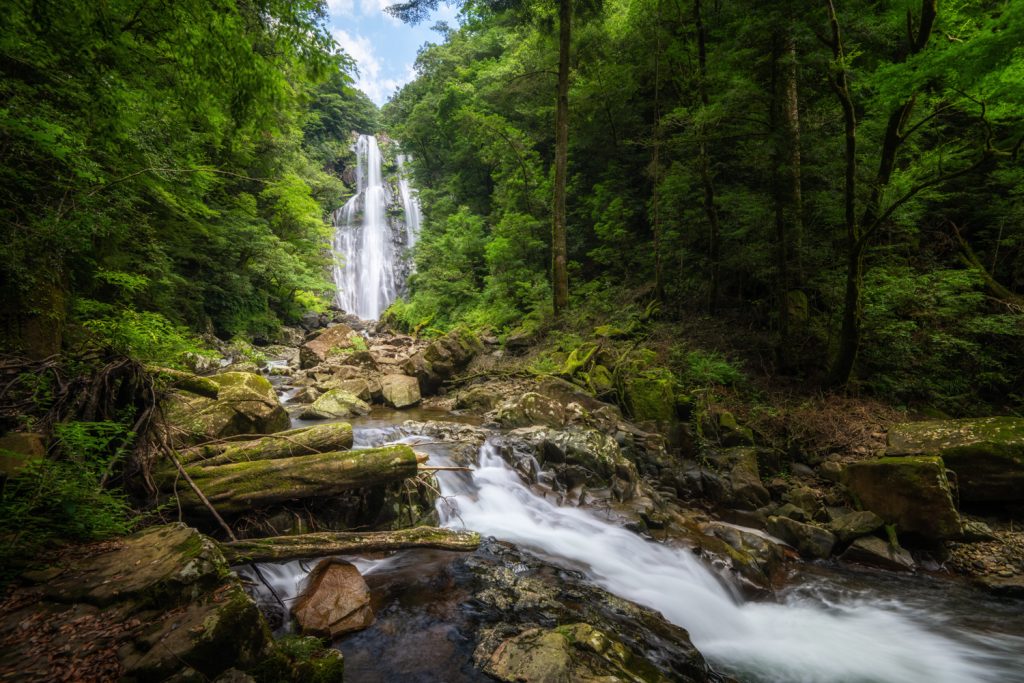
(384, 48)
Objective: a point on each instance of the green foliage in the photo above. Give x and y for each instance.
(699, 368)
(143, 335)
(65, 497)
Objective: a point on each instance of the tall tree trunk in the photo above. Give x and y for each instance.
(788, 190)
(559, 270)
(659, 290)
(859, 234)
(849, 335)
(704, 163)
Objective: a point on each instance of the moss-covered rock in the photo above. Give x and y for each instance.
(336, 403)
(855, 524)
(811, 541)
(721, 426)
(481, 397)
(442, 358)
(911, 492)
(987, 454)
(876, 552)
(650, 395)
(531, 409)
(19, 448)
(246, 404)
(743, 488)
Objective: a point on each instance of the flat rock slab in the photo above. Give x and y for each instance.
(875, 552)
(987, 454)
(336, 601)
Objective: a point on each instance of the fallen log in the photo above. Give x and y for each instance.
(281, 548)
(186, 381)
(304, 441)
(239, 487)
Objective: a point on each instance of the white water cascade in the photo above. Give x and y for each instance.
(410, 202)
(370, 270)
(812, 638)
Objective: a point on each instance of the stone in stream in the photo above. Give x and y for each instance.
(531, 409)
(874, 551)
(442, 359)
(336, 601)
(743, 488)
(400, 391)
(911, 492)
(336, 403)
(246, 404)
(987, 454)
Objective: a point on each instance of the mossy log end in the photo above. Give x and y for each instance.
(282, 548)
(304, 441)
(238, 487)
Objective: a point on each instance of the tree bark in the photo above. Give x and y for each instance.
(559, 266)
(336, 436)
(238, 487)
(282, 548)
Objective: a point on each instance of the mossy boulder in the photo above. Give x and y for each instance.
(855, 524)
(811, 541)
(721, 426)
(742, 481)
(531, 409)
(336, 403)
(481, 397)
(987, 454)
(573, 652)
(246, 404)
(650, 395)
(911, 492)
(442, 358)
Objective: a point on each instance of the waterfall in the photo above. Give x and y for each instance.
(369, 244)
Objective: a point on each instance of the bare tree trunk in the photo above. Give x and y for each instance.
(559, 269)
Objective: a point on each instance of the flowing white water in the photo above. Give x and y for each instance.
(366, 276)
(410, 203)
(803, 639)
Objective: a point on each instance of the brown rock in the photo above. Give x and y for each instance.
(316, 350)
(336, 601)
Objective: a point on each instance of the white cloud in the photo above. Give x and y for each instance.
(345, 8)
(371, 80)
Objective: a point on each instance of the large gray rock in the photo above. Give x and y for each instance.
(531, 409)
(400, 391)
(744, 489)
(336, 601)
(855, 524)
(441, 359)
(336, 403)
(911, 492)
(987, 454)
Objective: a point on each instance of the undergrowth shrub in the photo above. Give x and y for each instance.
(65, 496)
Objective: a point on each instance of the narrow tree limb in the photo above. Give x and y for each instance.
(203, 498)
(282, 548)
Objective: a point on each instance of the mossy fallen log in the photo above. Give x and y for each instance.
(281, 548)
(239, 487)
(304, 441)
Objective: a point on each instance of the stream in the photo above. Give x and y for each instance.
(829, 625)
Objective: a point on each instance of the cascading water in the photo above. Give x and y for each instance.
(805, 638)
(370, 270)
(410, 202)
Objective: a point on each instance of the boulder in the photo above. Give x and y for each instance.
(336, 601)
(441, 359)
(399, 391)
(875, 552)
(531, 409)
(359, 387)
(744, 489)
(911, 492)
(811, 541)
(722, 425)
(336, 403)
(317, 350)
(650, 395)
(246, 404)
(987, 454)
(481, 397)
(855, 524)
